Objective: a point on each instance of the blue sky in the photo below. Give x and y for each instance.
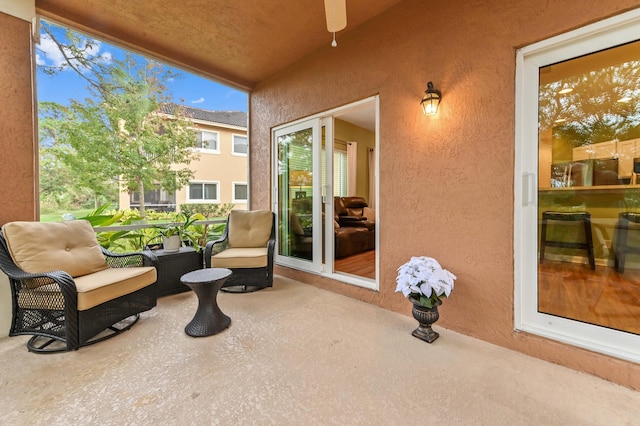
(190, 89)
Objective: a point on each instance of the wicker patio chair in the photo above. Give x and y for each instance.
(246, 247)
(66, 290)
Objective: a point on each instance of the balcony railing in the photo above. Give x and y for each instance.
(153, 225)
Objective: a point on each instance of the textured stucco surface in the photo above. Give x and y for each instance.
(297, 355)
(459, 164)
(16, 122)
(239, 41)
(17, 165)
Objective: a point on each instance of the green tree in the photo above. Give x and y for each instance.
(118, 138)
(590, 112)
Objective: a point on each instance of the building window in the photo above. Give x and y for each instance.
(155, 199)
(202, 192)
(208, 141)
(240, 192)
(578, 138)
(240, 145)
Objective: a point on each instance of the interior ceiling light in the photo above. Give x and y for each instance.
(567, 90)
(336, 12)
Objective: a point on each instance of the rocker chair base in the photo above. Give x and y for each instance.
(48, 345)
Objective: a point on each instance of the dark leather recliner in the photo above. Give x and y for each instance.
(354, 232)
(350, 211)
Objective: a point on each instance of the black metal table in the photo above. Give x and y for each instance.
(206, 283)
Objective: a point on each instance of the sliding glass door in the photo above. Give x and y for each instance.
(325, 191)
(578, 201)
(298, 195)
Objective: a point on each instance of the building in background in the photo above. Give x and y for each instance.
(220, 172)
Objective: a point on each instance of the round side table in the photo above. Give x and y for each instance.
(206, 283)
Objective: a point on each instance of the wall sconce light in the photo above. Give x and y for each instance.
(431, 100)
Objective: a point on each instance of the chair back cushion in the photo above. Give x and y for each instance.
(354, 205)
(294, 223)
(70, 246)
(249, 228)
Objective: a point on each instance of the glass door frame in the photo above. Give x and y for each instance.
(602, 35)
(324, 194)
(315, 264)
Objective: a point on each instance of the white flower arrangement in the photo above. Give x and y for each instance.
(424, 281)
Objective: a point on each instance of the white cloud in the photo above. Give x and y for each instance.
(50, 55)
(198, 101)
(106, 57)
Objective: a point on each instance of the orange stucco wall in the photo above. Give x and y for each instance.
(459, 164)
(18, 149)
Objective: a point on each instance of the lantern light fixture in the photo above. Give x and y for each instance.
(431, 100)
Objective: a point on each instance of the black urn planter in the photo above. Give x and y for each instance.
(425, 317)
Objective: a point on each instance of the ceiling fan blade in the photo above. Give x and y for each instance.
(336, 12)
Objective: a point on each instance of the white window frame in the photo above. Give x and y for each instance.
(589, 39)
(233, 145)
(209, 150)
(233, 192)
(203, 200)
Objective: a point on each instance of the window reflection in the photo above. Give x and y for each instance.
(589, 194)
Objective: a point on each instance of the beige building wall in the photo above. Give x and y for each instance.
(223, 167)
(458, 164)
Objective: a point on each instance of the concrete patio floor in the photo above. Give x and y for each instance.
(297, 355)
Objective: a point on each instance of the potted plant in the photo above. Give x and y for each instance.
(171, 237)
(194, 234)
(425, 283)
(183, 230)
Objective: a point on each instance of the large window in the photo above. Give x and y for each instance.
(155, 199)
(208, 141)
(578, 223)
(122, 140)
(203, 191)
(340, 165)
(240, 145)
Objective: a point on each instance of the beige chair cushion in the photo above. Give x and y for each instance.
(111, 283)
(254, 257)
(295, 224)
(249, 228)
(93, 289)
(66, 246)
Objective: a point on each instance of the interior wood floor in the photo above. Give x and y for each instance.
(361, 264)
(602, 297)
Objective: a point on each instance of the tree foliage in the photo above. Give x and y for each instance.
(591, 111)
(116, 138)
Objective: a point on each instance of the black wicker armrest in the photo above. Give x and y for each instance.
(63, 279)
(26, 282)
(214, 247)
(271, 247)
(129, 260)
